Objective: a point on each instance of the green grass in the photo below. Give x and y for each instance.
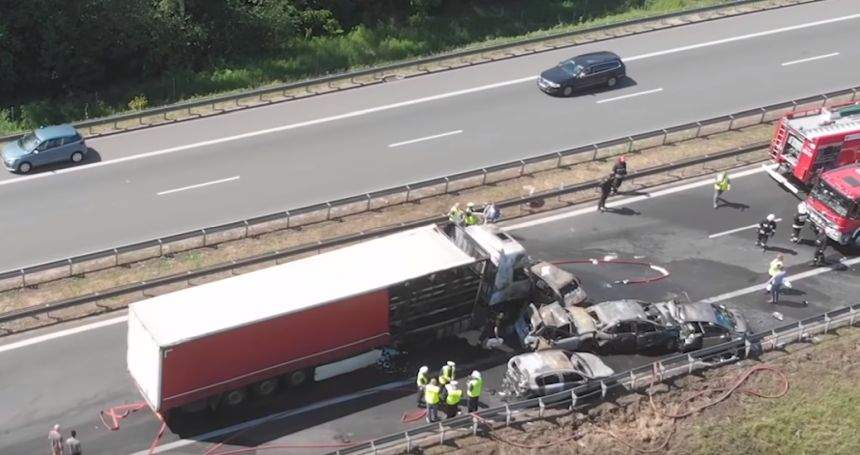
(819, 416)
(360, 47)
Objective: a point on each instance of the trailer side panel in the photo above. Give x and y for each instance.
(227, 360)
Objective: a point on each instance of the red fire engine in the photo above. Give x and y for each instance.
(834, 204)
(808, 143)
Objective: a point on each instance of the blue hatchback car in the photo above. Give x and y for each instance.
(51, 144)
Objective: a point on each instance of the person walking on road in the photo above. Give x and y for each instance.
(799, 221)
(766, 230)
(776, 265)
(421, 381)
(776, 284)
(56, 440)
(473, 390)
(73, 445)
(721, 185)
(821, 242)
(619, 172)
(453, 396)
(605, 189)
(431, 397)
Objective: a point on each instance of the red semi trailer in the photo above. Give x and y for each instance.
(805, 144)
(320, 316)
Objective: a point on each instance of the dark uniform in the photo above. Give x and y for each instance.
(797, 225)
(821, 242)
(619, 171)
(766, 229)
(605, 189)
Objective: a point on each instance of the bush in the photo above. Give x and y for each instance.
(138, 103)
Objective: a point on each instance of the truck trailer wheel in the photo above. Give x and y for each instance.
(265, 388)
(297, 378)
(235, 397)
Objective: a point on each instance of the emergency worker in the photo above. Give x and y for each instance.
(474, 387)
(447, 373)
(431, 397)
(766, 230)
(799, 221)
(721, 185)
(456, 215)
(605, 189)
(421, 381)
(821, 242)
(776, 265)
(471, 218)
(452, 399)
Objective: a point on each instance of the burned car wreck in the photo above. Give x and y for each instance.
(551, 371)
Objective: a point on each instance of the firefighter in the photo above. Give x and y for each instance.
(605, 189)
(471, 218)
(799, 221)
(721, 185)
(619, 172)
(766, 230)
(453, 396)
(431, 397)
(447, 373)
(421, 381)
(821, 242)
(473, 390)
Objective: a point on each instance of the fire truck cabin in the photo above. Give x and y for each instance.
(834, 204)
(808, 143)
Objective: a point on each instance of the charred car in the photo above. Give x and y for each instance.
(552, 284)
(555, 326)
(704, 324)
(550, 371)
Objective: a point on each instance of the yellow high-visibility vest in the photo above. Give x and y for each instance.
(454, 397)
(431, 394)
(422, 379)
(447, 374)
(475, 387)
(723, 183)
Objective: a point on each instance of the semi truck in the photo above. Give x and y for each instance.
(218, 343)
(833, 204)
(807, 143)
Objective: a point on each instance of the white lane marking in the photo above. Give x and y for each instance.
(417, 101)
(732, 231)
(774, 31)
(199, 185)
(593, 208)
(845, 262)
(203, 438)
(426, 138)
(631, 95)
(804, 60)
(61, 334)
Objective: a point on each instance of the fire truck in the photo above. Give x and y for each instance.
(808, 143)
(834, 204)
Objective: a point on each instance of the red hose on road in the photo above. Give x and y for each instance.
(663, 272)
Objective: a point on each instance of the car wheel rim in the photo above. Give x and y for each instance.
(612, 82)
(235, 397)
(77, 157)
(297, 378)
(24, 168)
(568, 91)
(267, 387)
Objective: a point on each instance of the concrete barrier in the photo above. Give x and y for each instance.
(47, 272)
(183, 242)
(226, 233)
(139, 252)
(93, 262)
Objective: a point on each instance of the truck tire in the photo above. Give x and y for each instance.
(265, 388)
(235, 398)
(298, 377)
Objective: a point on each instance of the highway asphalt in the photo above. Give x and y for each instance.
(174, 178)
(68, 377)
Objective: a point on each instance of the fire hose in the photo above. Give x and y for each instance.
(662, 272)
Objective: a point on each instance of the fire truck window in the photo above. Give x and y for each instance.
(827, 156)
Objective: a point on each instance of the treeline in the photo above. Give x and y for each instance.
(60, 56)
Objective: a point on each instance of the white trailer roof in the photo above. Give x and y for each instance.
(305, 283)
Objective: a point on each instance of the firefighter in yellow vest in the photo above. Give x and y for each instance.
(452, 399)
(447, 373)
(721, 185)
(431, 397)
(471, 218)
(473, 390)
(421, 381)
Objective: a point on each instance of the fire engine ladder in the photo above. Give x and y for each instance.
(779, 143)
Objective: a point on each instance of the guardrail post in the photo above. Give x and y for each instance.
(328, 211)
(665, 135)
(558, 161)
(732, 121)
(827, 321)
(483, 176)
(373, 447)
(799, 330)
(542, 406)
(853, 95)
(441, 433)
(507, 415)
(594, 155)
(474, 426)
(698, 128)
(573, 399)
(793, 106)
(690, 362)
(447, 183)
(851, 319)
(632, 380)
(603, 389)
(522, 168)
(763, 112)
(747, 347)
(630, 144)
(408, 441)
(408, 192)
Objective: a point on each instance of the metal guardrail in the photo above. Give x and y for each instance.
(332, 210)
(320, 246)
(594, 392)
(378, 73)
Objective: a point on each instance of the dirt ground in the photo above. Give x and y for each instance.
(820, 412)
(427, 208)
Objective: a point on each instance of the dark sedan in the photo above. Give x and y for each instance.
(596, 69)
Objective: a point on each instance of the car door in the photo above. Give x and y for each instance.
(53, 151)
(586, 78)
(549, 384)
(601, 73)
(714, 335)
(622, 336)
(39, 155)
(650, 336)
